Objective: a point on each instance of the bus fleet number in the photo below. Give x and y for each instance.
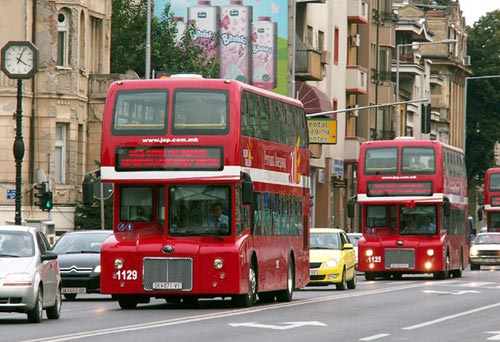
(374, 258)
(126, 275)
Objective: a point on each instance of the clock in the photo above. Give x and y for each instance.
(20, 59)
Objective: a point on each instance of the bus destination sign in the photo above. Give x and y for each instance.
(399, 189)
(155, 158)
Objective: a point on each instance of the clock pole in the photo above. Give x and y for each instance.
(19, 150)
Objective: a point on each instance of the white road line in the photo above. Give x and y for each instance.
(374, 337)
(446, 318)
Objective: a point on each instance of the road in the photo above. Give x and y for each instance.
(411, 309)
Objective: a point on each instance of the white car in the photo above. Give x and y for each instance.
(485, 250)
(30, 281)
(354, 237)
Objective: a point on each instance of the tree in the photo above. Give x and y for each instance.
(128, 47)
(483, 97)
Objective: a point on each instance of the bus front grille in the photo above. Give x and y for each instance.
(168, 274)
(399, 259)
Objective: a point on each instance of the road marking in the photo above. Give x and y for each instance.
(374, 337)
(278, 326)
(493, 338)
(446, 318)
(452, 293)
(229, 313)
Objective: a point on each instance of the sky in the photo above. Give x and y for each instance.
(474, 9)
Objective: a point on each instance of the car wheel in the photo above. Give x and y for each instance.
(35, 314)
(343, 282)
(287, 294)
(351, 284)
(54, 312)
(248, 299)
(70, 296)
(475, 267)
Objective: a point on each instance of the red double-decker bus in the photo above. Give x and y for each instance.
(211, 192)
(492, 199)
(413, 204)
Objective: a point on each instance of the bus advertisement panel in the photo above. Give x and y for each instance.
(492, 199)
(413, 200)
(211, 192)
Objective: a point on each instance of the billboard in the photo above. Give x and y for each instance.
(248, 37)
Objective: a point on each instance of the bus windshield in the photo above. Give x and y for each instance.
(419, 220)
(418, 160)
(199, 210)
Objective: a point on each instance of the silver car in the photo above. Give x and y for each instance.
(30, 281)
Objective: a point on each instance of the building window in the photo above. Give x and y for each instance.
(385, 60)
(60, 151)
(310, 36)
(336, 46)
(63, 19)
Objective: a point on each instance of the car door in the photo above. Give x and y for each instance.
(48, 270)
(349, 255)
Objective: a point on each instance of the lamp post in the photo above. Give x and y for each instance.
(398, 48)
(465, 99)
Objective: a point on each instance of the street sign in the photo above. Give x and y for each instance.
(11, 194)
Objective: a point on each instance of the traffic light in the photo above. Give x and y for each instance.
(425, 114)
(44, 196)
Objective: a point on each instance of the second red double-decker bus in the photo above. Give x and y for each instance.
(211, 195)
(492, 199)
(413, 200)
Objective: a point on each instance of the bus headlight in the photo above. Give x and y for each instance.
(369, 252)
(430, 252)
(118, 264)
(428, 265)
(218, 263)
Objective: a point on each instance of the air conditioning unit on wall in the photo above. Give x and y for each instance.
(355, 40)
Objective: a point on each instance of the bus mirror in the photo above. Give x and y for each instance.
(87, 190)
(479, 215)
(350, 207)
(446, 207)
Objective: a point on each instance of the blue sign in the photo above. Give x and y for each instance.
(338, 167)
(11, 194)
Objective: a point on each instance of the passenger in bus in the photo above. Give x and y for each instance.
(428, 226)
(219, 220)
(417, 163)
(178, 217)
(410, 226)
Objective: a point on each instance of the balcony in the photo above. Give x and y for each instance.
(356, 79)
(308, 65)
(357, 11)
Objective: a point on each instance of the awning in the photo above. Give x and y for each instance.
(314, 100)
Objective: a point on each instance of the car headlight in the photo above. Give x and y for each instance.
(97, 269)
(331, 263)
(18, 279)
(473, 252)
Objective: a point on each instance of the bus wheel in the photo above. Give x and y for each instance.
(446, 273)
(267, 297)
(343, 282)
(286, 295)
(248, 299)
(127, 302)
(369, 276)
(458, 273)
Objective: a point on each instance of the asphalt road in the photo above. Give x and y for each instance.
(411, 309)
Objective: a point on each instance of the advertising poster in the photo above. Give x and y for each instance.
(248, 37)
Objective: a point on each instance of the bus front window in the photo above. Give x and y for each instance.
(419, 220)
(199, 210)
(418, 160)
(136, 204)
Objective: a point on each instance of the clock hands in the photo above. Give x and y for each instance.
(19, 60)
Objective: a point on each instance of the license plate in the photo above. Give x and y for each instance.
(77, 290)
(313, 272)
(400, 265)
(167, 286)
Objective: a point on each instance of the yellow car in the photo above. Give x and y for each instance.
(332, 259)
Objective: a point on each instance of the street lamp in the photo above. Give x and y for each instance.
(465, 100)
(398, 47)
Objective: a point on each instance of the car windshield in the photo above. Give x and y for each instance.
(486, 239)
(324, 241)
(16, 244)
(80, 243)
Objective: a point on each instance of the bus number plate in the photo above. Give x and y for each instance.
(400, 265)
(167, 286)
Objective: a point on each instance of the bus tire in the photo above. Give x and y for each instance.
(369, 276)
(248, 299)
(287, 294)
(127, 302)
(446, 273)
(458, 273)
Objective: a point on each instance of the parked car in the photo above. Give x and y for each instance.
(30, 281)
(332, 258)
(354, 238)
(79, 259)
(485, 250)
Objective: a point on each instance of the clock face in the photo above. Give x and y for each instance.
(19, 59)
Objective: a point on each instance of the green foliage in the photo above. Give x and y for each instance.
(128, 43)
(483, 96)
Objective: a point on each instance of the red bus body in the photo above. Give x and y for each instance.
(492, 199)
(413, 200)
(180, 160)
